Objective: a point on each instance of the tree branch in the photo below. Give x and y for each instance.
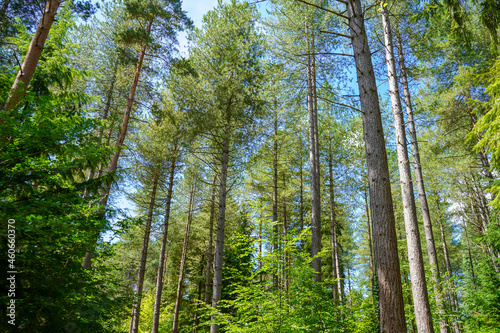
(342, 104)
(323, 8)
(335, 33)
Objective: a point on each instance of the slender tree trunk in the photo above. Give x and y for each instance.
(196, 320)
(370, 246)
(424, 207)
(481, 200)
(485, 217)
(23, 78)
(121, 137)
(260, 248)
(301, 200)
(210, 242)
(175, 327)
(104, 116)
(448, 273)
(385, 250)
(285, 233)
(313, 157)
(128, 109)
(275, 194)
(337, 287)
(136, 306)
(423, 315)
(470, 256)
(219, 244)
(162, 258)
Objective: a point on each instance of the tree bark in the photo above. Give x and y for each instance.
(286, 261)
(136, 306)
(161, 260)
(370, 246)
(126, 116)
(219, 245)
(301, 200)
(337, 286)
(175, 327)
(423, 315)
(448, 272)
(261, 277)
(23, 78)
(313, 155)
(424, 207)
(121, 137)
(210, 242)
(392, 316)
(275, 194)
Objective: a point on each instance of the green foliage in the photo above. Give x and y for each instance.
(482, 298)
(487, 129)
(47, 147)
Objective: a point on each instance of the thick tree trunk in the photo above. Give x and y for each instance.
(162, 258)
(219, 244)
(424, 207)
(23, 78)
(313, 156)
(210, 242)
(136, 306)
(423, 315)
(392, 316)
(175, 327)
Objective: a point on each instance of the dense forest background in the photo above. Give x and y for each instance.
(303, 166)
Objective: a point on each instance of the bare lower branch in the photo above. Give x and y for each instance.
(341, 104)
(323, 8)
(335, 33)
(324, 53)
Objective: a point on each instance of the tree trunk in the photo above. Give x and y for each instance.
(423, 315)
(392, 316)
(175, 327)
(286, 261)
(448, 272)
(260, 249)
(23, 78)
(136, 306)
(128, 109)
(370, 246)
(337, 291)
(210, 242)
(470, 256)
(313, 156)
(121, 137)
(161, 260)
(301, 200)
(275, 194)
(104, 116)
(219, 244)
(424, 207)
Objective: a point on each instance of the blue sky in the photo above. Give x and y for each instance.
(195, 10)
